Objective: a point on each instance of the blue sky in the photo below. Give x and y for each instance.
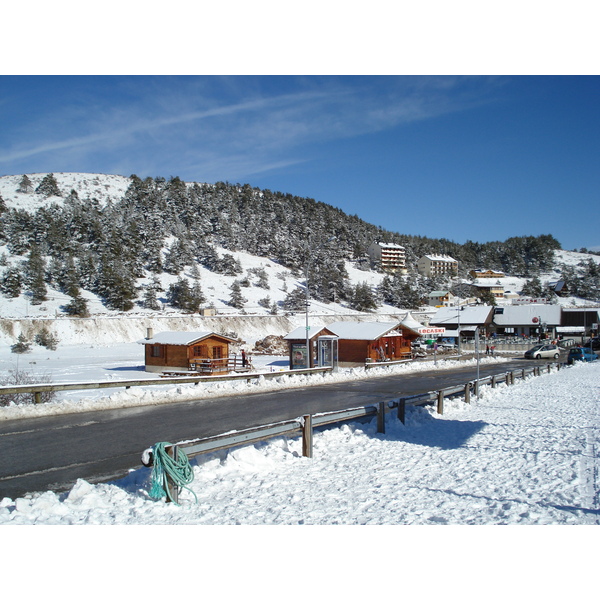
(462, 157)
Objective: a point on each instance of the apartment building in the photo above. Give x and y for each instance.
(390, 257)
(433, 265)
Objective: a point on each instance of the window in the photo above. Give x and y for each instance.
(201, 351)
(217, 352)
(156, 351)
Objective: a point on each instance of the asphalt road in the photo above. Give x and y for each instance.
(51, 453)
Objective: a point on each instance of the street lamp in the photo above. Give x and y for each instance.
(306, 271)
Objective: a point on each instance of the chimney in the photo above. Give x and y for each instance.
(149, 333)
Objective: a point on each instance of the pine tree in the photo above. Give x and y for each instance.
(295, 301)
(179, 294)
(11, 282)
(362, 298)
(25, 185)
(78, 307)
(22, 346)
(235, 298)
(150, 295)
(34, 276)
(47, 339)
(48, 186)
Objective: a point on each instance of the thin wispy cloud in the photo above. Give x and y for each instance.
(255, 131)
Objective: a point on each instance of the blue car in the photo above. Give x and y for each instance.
(583, 354)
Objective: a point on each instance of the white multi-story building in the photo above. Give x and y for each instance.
(391, 257)
(433, 265)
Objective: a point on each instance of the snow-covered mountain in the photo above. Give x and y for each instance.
(265, 281)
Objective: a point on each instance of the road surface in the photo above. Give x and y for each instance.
(51, 453)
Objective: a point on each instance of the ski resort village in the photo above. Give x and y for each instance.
(475, 366)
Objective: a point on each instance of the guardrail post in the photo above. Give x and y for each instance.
(173, 490)
(468, 393)
(402, 410)
(381, 417)
(37, 397)
(440, 402)
(307, 436)
(493, 381)
(549, 368)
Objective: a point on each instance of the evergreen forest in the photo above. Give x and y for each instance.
(165, 225)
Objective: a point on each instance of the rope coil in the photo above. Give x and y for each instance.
(167, 470)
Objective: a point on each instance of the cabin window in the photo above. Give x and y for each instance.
(201, 351)
(156, 351)
(217, 352)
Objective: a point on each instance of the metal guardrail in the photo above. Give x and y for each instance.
(304, 425)
(38, 388)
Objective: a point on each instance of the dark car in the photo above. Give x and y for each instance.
(543, 351)
(583, 354)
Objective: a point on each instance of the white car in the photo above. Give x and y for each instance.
(543, 351)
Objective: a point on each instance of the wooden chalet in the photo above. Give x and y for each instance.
(203, 352)
(357, 343)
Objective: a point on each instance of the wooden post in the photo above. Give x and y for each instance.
(307, 436)
(173, 490)
(381, 417)
(468, 393)
(493, 381)
(37, 397)
(477, 388)
(440, 402)
(402, 410)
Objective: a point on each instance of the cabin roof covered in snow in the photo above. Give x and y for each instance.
(348, 330)
(181, 338)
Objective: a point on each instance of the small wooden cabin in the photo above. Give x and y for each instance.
(358, 343)
(201, 351)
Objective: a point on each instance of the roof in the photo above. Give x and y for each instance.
(389, 245)
(469, 315)
(181, 338)
(300, 332)
(411, 323)
(525, 313)
(437, 294)
(348, 330)
(440, 257)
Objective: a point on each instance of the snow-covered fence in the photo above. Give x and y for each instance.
(39, 388)
(304, 425)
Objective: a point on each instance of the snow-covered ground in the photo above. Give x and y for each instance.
(519, 455)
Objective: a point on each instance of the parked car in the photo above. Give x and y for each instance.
(583, 354)
(543, 351)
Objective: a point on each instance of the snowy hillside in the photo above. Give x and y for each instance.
(265, 282)
(104, 188)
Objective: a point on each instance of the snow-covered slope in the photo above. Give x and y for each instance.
(216, 287)
(104, 188)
